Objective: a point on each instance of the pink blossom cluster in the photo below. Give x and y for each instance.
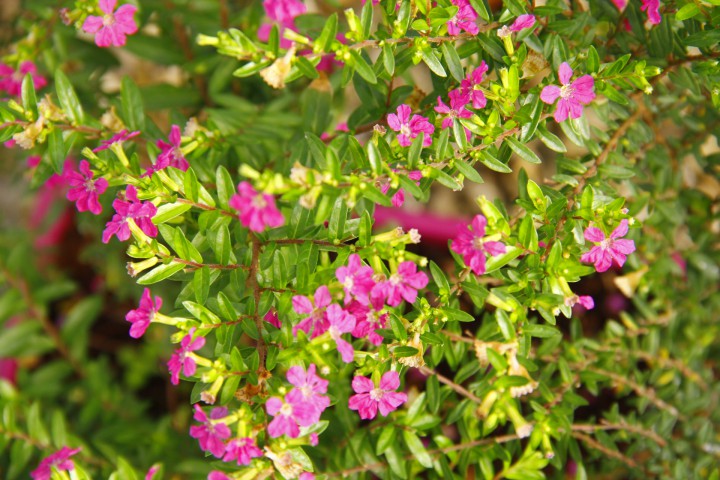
(182, 359)
(410, 128)
(398, 199)
(368, 398)
(141, 317)
(130, 209)
(471, 244)
(212, 435)
(283, 13)
(171, 154)
(573, 95)
(113, 26)
(612, 249)
(84, 190)
(59, 461)
(11, 79)
(364, 301)
(257, 211)
(650, 7)
(301, 407)
(464, 20)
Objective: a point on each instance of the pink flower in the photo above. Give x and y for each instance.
(151, 472)
(170, 155)
(398, 199)
(620, 4)
(309, 475)
(144, 314)
(341, 322)
(217, 475)
(464, 19)
(522, 22)
(317, 319)
(585, 301)
(119, 137)
(356, 279)
(402, 284)
(257, 211)
(111, 28)
(211, 434)
(59, 460)
(368, 319)
(410, 128)
(572, 95)
(11, 80)
(470, 244)
(182, 358)
(84, 191)
(652, 8)
(609, 250)
(242, 450)
(368, 398)
(282, 11)
(458, 100)
(130, 209)
(470, 86)
(307, 394)
(285, 422)
(272, 318)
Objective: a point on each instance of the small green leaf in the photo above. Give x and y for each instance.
(468, 170)
(306, 67)
(456, 315)
(593, 60)
(329, 31)
(201, 284)
(431, 60)
(68, 98)
(522, 150)
(388, 58)
(160, 273)
(132, 108)
(56, 150)
(169, 211)
(540, 331)
(453, 61)
(362, 67)
(27, 93)
(493, 163)
(688, 11)
(417, 449)
(192, 187)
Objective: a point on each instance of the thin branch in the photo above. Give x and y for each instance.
(456, 387)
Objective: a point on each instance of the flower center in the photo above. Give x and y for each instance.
(405, 130)
(259, 201)
(286, 410)
(108, 20)
(395, 279)
(307, 391)
(89, 185)
(566, 91)
(348, 283)
(376, 394)
(605, 244)
(478, 243)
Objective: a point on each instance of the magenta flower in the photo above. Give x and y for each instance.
(242, 450)
(470, 244)
(369, 399)
(144, 314)
(572, 95)
(307, 394)
(170, 155)
(286, 415)
(464, 19)
(217, 475)
(457, 109)
(316, 321)
(182, 359)
(356, 279)
(211, 434)
(130, 209)
(119, 137)
(410, 128)
(402, 284)
(11, 80)
(522, 22)
(610, 249)
(283, 11)
(111, 28)
(368, 319)
(470, 86)
(341, 322)
(398, 199)
(620, 4)
(272, 318)
(59, 460)
(257, 211)
(151, 472)
(84, 191)
(652, 8)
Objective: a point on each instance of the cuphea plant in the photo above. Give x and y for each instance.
(243, 179)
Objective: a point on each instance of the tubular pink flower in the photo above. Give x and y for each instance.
(620, 4)
(181, 360)
(242, 450)
(256, 211)
(341, 322)
(610, 249)
(119, 137)
(151, 472)
(141, 317)
(470, 86)
(316, 322)
(572, 95)
(398, 199)
(458, 101)
(171, 154)
(111, 28)
(470, 244)
(402, 284)
(652, 8)
(11, 79)
(356, 279)
(272, 318)
(211, 435)
(410, 128)
(464, 19)
(369, 399)
(84, 191)
(130, 208)
(285, 422)
(307, 394)
(59, 460)
(522, 22)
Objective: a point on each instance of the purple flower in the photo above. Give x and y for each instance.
(471, 83)
(211, 434)
(11, 80)
(144, 314)
(285, 422)
(458, 100)
(257, 211)
(59, 460)
(242, 450)
(410, 128)
(652, 8)
(182, 359)
(402, 284)
(356, 279)
(316, 321)
(119, 137)
(470, 244)
(111, 28)
(572, 95)
(369, 399)
(130, 209)
(522, 22)
(341, 322)
(170, 155)
(84, 191)
(464, 19)
(307, 394)
(610, 249)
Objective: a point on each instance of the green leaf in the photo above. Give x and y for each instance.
(169, 211)
(540, 331)
(414, 151)
(68, 98)
(192, 187)
(417, 449)
(27, 93)
(56, 150)
(223, 245)
(593, 60)
(405, 351)
(386, 440)
(388, 58)
(688, 11)
(551, 140)
(336, 226)
(201, 284)
(456, 315)
(366, 19)
(439, 277)
(493, 163)
(365, 229)
(431, 60)
(132, 108)
(306, 67)
(528, 235)
(160, 273)
(453, 61)
(362, 67)
(329, 31)
(468, 170)
(522, 150)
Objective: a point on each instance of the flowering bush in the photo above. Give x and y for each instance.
(248, 167)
